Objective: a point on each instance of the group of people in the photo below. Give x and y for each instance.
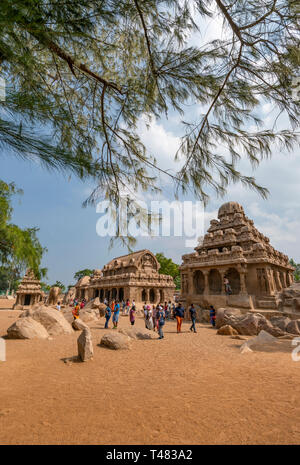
(155, 316)
(113, 309)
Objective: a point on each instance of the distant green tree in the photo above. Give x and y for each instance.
(80, 274)
(167, 266)
(297, 269)
(19, 248)
(59, 284)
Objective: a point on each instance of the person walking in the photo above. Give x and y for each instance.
(58, 306)
(193, 318)
(107, 316)
(116, 314)
(161, 322)
(212, 314)
(132, 315)
(179, 314)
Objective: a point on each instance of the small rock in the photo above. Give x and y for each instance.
(227, 330)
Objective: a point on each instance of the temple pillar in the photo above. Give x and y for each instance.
(222, 273)
(206, 283)
(147, 297)
(243, 289)
(190, 282)
(284, 279)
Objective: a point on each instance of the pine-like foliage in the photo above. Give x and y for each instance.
(81, 74)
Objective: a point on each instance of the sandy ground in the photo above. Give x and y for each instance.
(185, 389)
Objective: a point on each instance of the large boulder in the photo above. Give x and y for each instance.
(27, 328)
(223, 316)
(85, 345)
(52, 320)
(227, 330)
(293, 327)
(280, 322)
(136, 333)
(87, 315)
(116, 341)
(250, 324)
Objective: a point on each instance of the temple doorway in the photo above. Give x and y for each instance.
(234, 280)
(121, 294)
(144, 295)
(215, 282)
(198, 282)
(27, 299)
(152, 295)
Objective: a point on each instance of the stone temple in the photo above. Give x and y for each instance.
(29, 291)
(134, 276)
(235, 249)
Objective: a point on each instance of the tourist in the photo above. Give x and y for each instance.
(166, 310)
(158, 309)
(82, 304)
(193, 318)
(105, 301)
(58, 306)
(161, 322)
(153, 316)
(228, 290)
(107, 316)
(149, 320)
(145, 311)
(173, 310)
(169, 309)
(123, 307)
(116, 311)
(127, 306)
(179, 314)
(76, 311)
(132, 315)
(212, 315)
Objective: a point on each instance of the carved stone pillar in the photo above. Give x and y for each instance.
(222, 273)
(191, 283)
(284, 279)
(243, 283)
(206, 283)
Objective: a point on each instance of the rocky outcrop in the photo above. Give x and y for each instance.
(249, 325)
(263, 338)
(52, 320)
(223, 315)
(293, 327)
(85, 345)
(227, 330)
(116, 341)
(27, 328)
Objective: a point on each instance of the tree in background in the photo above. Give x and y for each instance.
(167, 266)
(80, 274)
(88, 71)
(19, 248)
(297, 270)
(61, 285)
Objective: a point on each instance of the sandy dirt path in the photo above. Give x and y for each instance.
(185, 389)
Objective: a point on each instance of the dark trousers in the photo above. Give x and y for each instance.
(132, 322)
(193, 327)
(107, 318)
(160, 331)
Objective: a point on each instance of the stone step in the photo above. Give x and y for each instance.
(266, 303)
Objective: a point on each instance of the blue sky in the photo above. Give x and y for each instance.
(53, 202)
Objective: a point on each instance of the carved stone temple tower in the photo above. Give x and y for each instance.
(235, 249)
